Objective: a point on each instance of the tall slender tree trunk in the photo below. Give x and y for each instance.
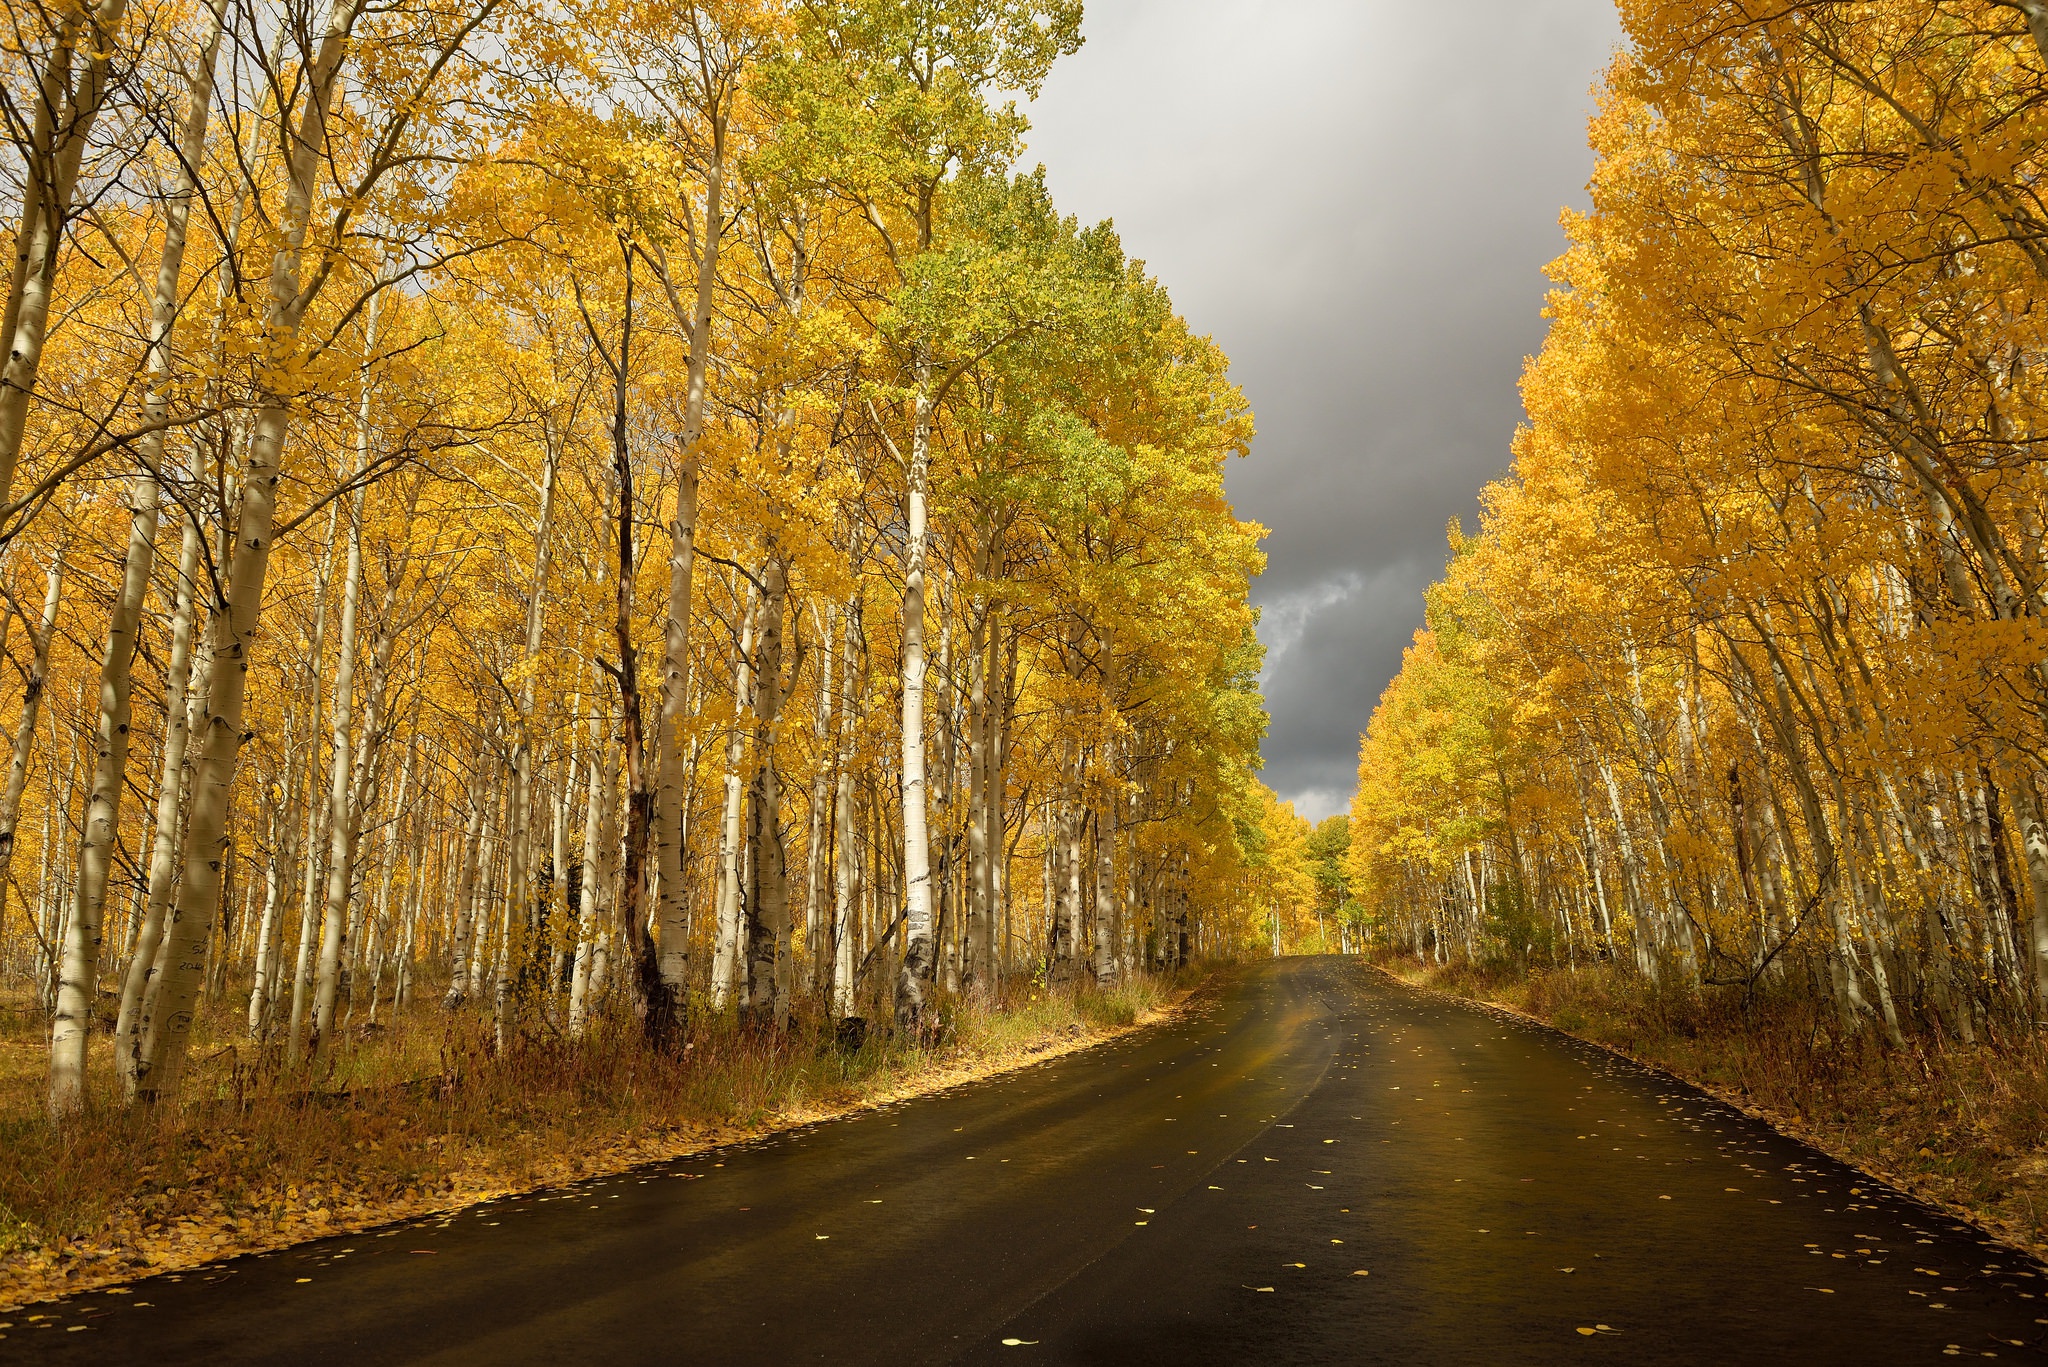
(768, 927)
(595, 875)
(233, 625)
(53, 169)
(655, 1009)
(671, 909)
(342, 822)
(138, 986)
(978, 883)
(2034, 848)
(818, 966)
(276, 891)
(45, 634)
(728, 949)
(846, 850)
(519, 920)
(1105, 877)
(78, 979)
(310, 889)
(465, 900)
(919, 960)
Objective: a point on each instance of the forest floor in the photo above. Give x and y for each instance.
(1961, 1127)
(419, 1115)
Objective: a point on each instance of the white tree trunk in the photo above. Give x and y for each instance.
(519, 901)
(767, 919)
(818, 959)
(139, 983)
(842, 810)
(310, 887)
(1105, 878)
(341, 824)
(727, 949)
(78, 981)
(589, 919)
(233, 627)
(918, 960)
(47, 207)
(671, 906)
(465, 900)
(25, 726)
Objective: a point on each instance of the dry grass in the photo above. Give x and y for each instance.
(1964, 1127)
(424, 1116)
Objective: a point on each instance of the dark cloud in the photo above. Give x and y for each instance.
(1356, 198)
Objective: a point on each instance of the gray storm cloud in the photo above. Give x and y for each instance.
(1356, 200)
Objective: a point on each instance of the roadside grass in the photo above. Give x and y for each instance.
(423, 1114)
(1960, 1126)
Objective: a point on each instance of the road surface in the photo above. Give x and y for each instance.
(1314, 1165)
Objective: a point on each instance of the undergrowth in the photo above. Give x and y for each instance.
(424, 1113)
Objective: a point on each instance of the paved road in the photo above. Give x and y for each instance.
(1315, 1166)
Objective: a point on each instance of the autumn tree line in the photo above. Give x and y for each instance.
(591, 511)
(1744, 679)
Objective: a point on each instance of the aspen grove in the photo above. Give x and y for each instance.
(1742, 680)
(635, 511)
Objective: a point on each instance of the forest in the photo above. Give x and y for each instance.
(1741, 681)
(1723, 741)
(592, 591)
(621, 513)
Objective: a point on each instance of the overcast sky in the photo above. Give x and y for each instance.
(1356, 198)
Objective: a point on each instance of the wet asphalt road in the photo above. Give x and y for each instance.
(1313, 1166)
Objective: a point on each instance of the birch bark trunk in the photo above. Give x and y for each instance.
(519, 920)
(233, 626)
(309, 892)
(978, 882)
(1105, 880)
(589, 918)
(914, 977)
(672, 905)
(25, 728)
(73, 110)
(341, 821)
(276, 891)
(817, 949)
(139, 983)
(768, 927)
(2034, 844)
(728, 949)
(465, 903)
(78, 979)
(652, 1005)
(848, 832)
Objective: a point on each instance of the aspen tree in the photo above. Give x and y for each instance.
(44, 635)
(79, 976)
(232, 625)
